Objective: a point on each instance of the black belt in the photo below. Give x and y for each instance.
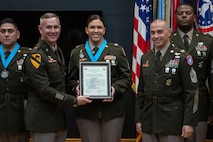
(9, 96)
(159, 100)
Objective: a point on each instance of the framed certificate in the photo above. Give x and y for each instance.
(95, 79)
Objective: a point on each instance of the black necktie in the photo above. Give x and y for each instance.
(157, 58)
(58, 54)
(186, 42)
(94, 50)
(6, 54)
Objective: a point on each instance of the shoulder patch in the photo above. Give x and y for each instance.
(189, 60)
(193, 76)
(35, 60)
(123, 52)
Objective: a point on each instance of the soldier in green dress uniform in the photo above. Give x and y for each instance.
(200, 47)
(166, 104)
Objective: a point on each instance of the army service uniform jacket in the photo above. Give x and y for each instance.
(12, 92)
(200, 49)
(120, 79)
(166, 95)
(46, 79)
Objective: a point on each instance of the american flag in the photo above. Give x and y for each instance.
(205, 16)
(175, 4)
(141, 39)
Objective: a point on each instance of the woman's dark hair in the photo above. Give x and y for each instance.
(94, 17)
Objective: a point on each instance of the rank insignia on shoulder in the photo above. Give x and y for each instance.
(35, 60)
(173, 45)
(171, 51)
(115, 44)
(189, 60)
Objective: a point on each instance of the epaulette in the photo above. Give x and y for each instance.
(115, 44)
(208, 35)
(79, 45)
(204, 34)
(26, 48)
(36, 48)
(150, 51)
(174, 34)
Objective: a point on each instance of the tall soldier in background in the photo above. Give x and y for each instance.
(200, 46)
(12, 86)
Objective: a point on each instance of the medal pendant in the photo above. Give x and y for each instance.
(4, 74)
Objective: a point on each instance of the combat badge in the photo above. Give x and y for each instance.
(51, 60)
(35, 60)
(81, 55)
(146, 64)
(20, 64)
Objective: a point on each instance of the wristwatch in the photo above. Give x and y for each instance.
(75, 102)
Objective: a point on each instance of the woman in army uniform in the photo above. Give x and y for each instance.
(97, 121)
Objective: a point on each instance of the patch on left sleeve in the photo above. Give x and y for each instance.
(59, 96)
(35, 59)
(193, 76)
(123, 52)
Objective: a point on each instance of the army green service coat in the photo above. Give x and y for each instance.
(200, 48)
(12, 92)
(120, 78)
(47, 97)
(166, 95)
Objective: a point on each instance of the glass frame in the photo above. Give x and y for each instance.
(95, 79)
